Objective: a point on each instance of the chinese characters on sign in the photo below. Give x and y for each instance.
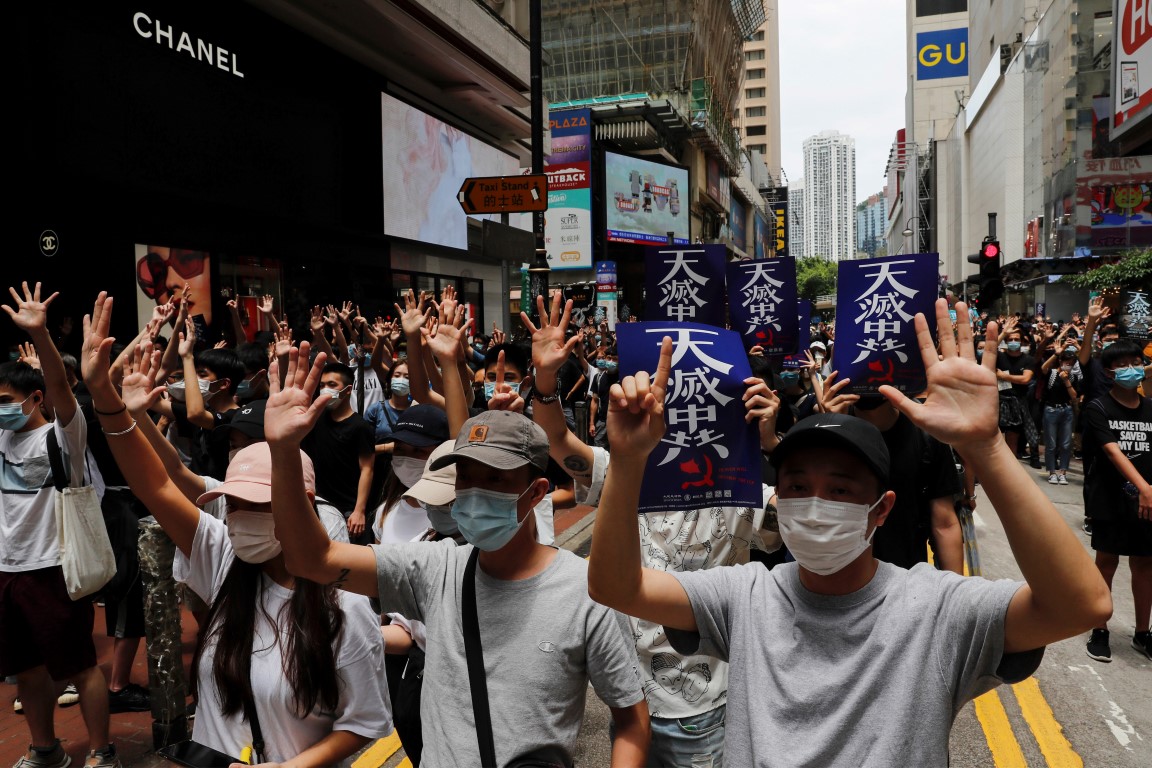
(1136, 314)
(709, 455)
(877, 301)
(762, 303)
(686, 284)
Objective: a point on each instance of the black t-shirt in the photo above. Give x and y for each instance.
(1055, 392)
(566, 380)
(923, 469)
(1017, 366)
(1096, 384)
(1107, 421)
(602, 383)
(335, 448)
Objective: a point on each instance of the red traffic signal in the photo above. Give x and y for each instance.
(990, 250)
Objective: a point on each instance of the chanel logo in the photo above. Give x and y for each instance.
(49, 243)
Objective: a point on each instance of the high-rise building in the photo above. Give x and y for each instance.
(796, 212)
(830, 195)
(871, 220)
(758, 106)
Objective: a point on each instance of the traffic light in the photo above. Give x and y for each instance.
(991, 287)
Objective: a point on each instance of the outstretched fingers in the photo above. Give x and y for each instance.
(663, 371)
(944, 329)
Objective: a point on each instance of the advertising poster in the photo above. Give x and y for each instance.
(942, 53)
(780, 227)
(1131, 66)
(709, 455)
(643, 200)
(686, 284)
(583, 298)
(1136, 314)
(738, 224)
(162, 272)
(760, 236)
(425, 163)
(568, 220)
(762, 304)
(876, 301)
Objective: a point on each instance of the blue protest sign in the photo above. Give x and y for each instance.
(762, 304)
(803, 323)
(709, 456)
(685, 283)
(876, 301)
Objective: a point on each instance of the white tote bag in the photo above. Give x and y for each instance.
(86, 555)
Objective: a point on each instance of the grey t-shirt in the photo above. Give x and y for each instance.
(874, 678)
(544, 640)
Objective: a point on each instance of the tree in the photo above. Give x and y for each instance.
(1134, 269)
(815, 276)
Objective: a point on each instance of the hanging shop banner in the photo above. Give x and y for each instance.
(876, 301)
(779, 211)
(568, 222)
(685, 283)
(583, 296)
(762, 304)
(1135, 315)
(709, 455)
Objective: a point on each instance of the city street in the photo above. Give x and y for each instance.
(1073, 712)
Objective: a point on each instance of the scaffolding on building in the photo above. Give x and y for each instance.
(914, 163)
(689, 52)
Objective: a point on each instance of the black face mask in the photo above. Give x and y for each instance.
(870, 402)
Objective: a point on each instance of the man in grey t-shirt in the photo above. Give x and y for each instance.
(829, 656)
(543, 639)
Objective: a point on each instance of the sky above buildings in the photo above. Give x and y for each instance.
(842, 67)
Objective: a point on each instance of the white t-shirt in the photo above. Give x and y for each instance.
(373, 389)
(364, 707)
(675, 685)
(28, 535)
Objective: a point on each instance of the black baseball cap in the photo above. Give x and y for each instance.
(421, 426)
(838, 431)
(249, 419)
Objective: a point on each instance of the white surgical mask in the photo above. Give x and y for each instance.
(335, 396)
(176, 389)
(824, 536)
(408, 470)
(253, 536)
(441, 518)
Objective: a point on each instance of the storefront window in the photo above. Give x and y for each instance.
(247, 279)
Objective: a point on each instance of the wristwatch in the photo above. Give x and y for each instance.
(546, 399)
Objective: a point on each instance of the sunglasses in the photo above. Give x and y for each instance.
(152, 269)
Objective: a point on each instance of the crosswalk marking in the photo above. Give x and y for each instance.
(1006, 752)
(381, 752)
(1049, 734)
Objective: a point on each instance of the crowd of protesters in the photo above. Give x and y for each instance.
(364, 529)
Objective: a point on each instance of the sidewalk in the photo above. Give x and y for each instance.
(132, 731)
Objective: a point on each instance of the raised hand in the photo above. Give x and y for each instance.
(761, 406)
(636, 409)
(346, 312)
(94, 355)
(31, 314)
(831, 396)
(187, 339)
(267, 303)
(962, 406)
(550, 349)
(316, 320)
(498, 336)
(504, 399)
(444, 340)
(1097, 311)
(283, 340)
(28, 355)
(414, 314)
(448, 304)
(162, 313)
(139, 388)
(292, 411)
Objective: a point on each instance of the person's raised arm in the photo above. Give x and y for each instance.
(316, 323)
(138, 462)
(289, 416)
(550, 350)
(140, 395)
(31, 316)
(238, 334)
(1096, 312)
(413, 318)
(198, 413)
(615, 575)
(170, 360)
(1065, 594)
(443, 341)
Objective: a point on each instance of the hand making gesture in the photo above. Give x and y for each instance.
(292, 411)
(962, 406)
(550, 349)
(31, 314)
(636, 409)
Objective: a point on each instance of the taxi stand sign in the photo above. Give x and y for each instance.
(504, 194)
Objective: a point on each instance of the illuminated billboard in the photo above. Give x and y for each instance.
(1131, 66)
(643, 200)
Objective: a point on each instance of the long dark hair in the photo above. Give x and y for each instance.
(314, 622)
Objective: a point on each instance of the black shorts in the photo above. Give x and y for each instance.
(124, 617)
(40, 624)
(1128, 537)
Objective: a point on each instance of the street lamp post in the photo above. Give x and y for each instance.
(907, 233)
(538, 272)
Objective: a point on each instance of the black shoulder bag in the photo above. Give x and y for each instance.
(254, 722)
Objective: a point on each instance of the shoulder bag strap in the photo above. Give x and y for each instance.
(56, 461)
(477, 680)
(254, 723)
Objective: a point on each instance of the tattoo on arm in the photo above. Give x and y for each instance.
(343, 577)
(576, 464)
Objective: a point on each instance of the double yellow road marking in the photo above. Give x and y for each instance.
(381, 752)
(1049, 734)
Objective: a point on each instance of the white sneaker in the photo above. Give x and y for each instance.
(1052, 479)
(69, 697)
(1062, 479)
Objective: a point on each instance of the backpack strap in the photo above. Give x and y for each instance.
(56, 460)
